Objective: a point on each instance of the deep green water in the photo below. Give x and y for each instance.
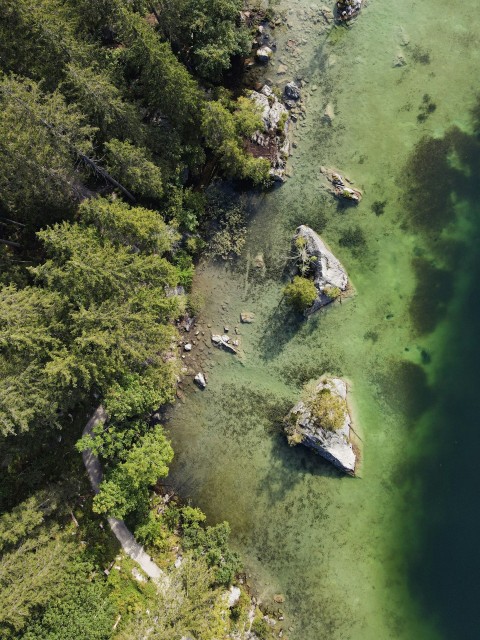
(393, 554)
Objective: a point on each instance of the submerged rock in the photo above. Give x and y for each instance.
(292, 92)
(342, 187)
(247, 317)
(323, 423)
(330, 277)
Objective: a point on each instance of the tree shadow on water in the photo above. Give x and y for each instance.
(280, 327)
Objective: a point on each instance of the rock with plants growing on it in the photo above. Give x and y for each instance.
(317, 264)
(321, 420)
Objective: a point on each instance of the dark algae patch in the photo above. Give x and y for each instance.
(433, 291)
(444, 571)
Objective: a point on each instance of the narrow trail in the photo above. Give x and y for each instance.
(131, 547)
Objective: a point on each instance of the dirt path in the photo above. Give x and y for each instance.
(131, 547)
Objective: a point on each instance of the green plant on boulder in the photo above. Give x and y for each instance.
(294, 437)
(328, 409)
(300, 293)
(332, 292)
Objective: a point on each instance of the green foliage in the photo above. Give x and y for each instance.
(300, 293)
(38, 171)
(221, 131)
(90, 319)
(102, 102)
(125, 488)
(82, 611)
(151, 532)
(247, 117)
(25, 517)
(211, 543)
(260, 628)
(329, 409)
(332, 292)
(192, 607)
(132, 166)
(124, 225)
(101, 309)
(165, 83)
(205, 32)
(31, 575)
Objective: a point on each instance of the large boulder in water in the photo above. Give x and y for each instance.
(322, 422)
(329, 274)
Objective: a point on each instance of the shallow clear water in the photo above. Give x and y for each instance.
(391, 554)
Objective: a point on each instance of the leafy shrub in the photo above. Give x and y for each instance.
(332, 292)
(300, 293)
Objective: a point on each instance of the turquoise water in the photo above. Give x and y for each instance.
(391, 554)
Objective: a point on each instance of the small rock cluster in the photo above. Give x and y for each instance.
(271, 142)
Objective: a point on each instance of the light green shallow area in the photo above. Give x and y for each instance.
(337, 548)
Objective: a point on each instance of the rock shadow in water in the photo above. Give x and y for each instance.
(291, 466)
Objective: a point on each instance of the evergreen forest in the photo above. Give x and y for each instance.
(114, 116)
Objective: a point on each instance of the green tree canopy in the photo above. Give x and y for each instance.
(207, 32)
(126, 486)
(132, 166)
(136, 227)
(221, 129)
(38, 134)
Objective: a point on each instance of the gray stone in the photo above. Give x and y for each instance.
(329, 113)
(292, 92)
(200, 380)
(303, 427)
(274, 134)
(328, 271)
(188, 347)
(264, 54)
(223, 341)
(247, 317)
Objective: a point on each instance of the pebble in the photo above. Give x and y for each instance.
(188, 347)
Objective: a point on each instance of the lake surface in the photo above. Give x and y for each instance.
(394, 553)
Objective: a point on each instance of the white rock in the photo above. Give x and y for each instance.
(200, 380)
(264, 54)
(139, 577)
(188, 347)
(233, 596)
